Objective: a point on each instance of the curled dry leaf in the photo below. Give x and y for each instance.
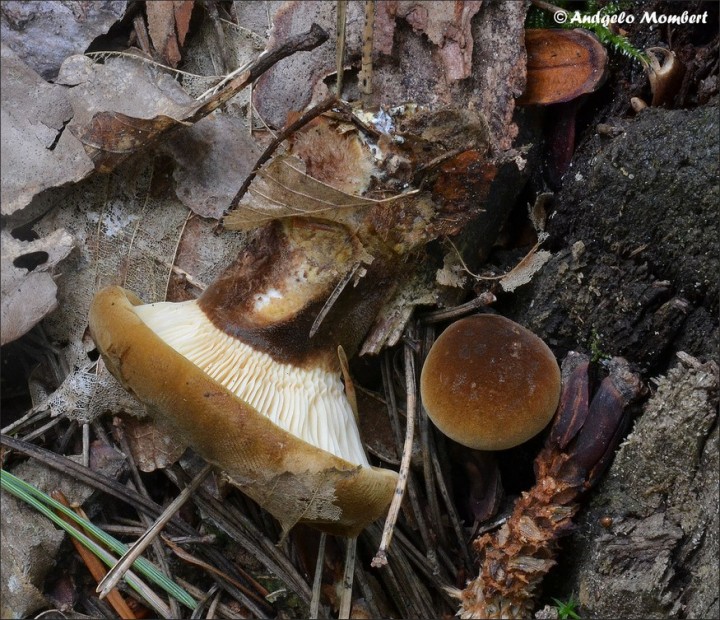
(284, 190)
(28, 287)
(562, 65)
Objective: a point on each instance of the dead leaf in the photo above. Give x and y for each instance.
(28, 287)
(524, 271)
(213, 158)
(335, 155)
(284, 190)
(111, 137)
(44, 34)
(168, 23)
(562, 65)
(151, 448)
(121, 106)
(36, 151)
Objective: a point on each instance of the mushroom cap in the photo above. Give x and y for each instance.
(291, 478)
(489, 383)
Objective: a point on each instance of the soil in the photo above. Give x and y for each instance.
(635, 273)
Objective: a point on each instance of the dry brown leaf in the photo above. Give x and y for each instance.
(207, 184)
(28, 287)
(524, 271)
(284, 190)
(334, 155)
(151, 448)
(168, 24)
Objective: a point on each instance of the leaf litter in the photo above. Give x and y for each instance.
(127, 233)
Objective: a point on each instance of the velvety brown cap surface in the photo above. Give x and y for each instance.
(489, 383)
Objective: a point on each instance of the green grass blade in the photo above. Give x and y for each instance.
(43, 503)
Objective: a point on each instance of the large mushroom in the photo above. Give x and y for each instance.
(235, 376)
(489, 383)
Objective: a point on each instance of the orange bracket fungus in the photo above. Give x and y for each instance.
(235, 376)
(489, 383)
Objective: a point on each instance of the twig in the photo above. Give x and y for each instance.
(197, 593)
(46, 427)
(157, 546)
(302, 42)
(252, 600)
(86, 444)
(149, 507)
(414, 515)
(438, 316)
(317, 580)
(347, 582)
(450, 507)
(94, 565)
(428, 473)
(330, 302)
(366, 67)
(340, 46)
(117, 571)
(380, 558)
(244, 532)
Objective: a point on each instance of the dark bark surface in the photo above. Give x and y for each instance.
(635, 273)
(636, 234)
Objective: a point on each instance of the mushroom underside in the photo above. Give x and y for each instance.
(290, 476)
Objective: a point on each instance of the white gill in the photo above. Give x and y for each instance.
(310, 404)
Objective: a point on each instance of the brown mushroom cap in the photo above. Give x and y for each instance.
(489, 383)
(288, 475)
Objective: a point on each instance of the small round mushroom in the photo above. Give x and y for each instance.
(234, 376)
(489, 383)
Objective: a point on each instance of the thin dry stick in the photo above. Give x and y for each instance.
(429, 474)
(339, 287)
(367, 591)
(43, 429)
(414, 514)
(380, 558)
(241, 529)
(450, 507)
(348, 576)
(438, 316)
(198, 594)
(147, 521)
(94, 565)
(317, 581)
(117, 571)
(86, 445)
(251, 600)
(305, 41)
(340, 46)
(366, 68)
